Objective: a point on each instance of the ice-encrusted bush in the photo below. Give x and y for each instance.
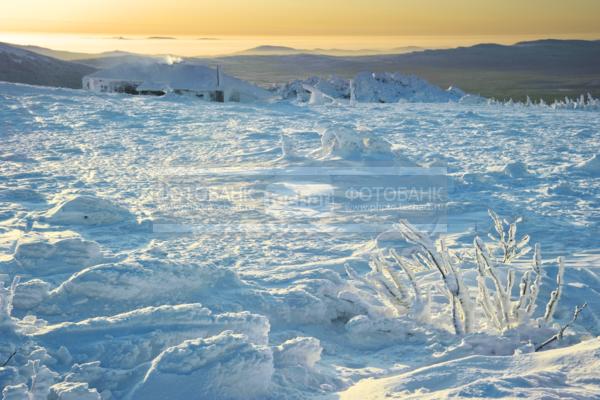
(583, 102)
(7, 295)
(42, 378)
(393, 281)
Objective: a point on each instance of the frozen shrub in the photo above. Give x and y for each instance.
(393, 279)
(39, 384)
(583, 102)
(7, 295)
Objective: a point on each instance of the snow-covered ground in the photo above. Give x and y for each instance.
(151, 266)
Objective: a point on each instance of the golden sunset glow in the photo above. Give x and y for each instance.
(307, 17)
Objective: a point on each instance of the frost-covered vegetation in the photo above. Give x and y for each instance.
(583, 102)
(500, 305)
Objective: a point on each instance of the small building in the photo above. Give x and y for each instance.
(183, 78)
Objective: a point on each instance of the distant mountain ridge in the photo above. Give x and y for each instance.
(285, 50)
(23, 66)
(546, 68)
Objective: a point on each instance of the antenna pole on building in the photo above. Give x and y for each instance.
(218, 76)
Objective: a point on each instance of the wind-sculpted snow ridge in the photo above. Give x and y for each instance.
(560, 373)
(368, 87)
(226, 366)
(222, 255)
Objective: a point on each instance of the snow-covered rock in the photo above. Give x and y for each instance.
(347, 143)
(367, 87)
(296, 90)
(223, 367)
(385, 87)
(88, 210)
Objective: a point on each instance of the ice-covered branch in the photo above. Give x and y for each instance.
(561, 331)
(511, 247)
(556, 293)
(7, 295)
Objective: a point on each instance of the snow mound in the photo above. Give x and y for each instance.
(372, 333)
(88, 210)
(516, 169)
(302, 90)
(296, 90)
(48, 255)
(300, 351)
(129, 339)
(562, 373)
(347, 143)
(310, 298)
(226, 366)
(334, 87)
(73, 391)
(590, 166)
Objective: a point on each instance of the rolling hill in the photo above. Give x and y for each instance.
(24, 66)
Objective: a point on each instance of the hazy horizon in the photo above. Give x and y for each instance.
(212, 45)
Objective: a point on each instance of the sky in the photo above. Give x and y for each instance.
(303, 17)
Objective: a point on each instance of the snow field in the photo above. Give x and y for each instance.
(110, 307)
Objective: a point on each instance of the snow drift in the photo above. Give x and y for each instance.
(226, 366)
